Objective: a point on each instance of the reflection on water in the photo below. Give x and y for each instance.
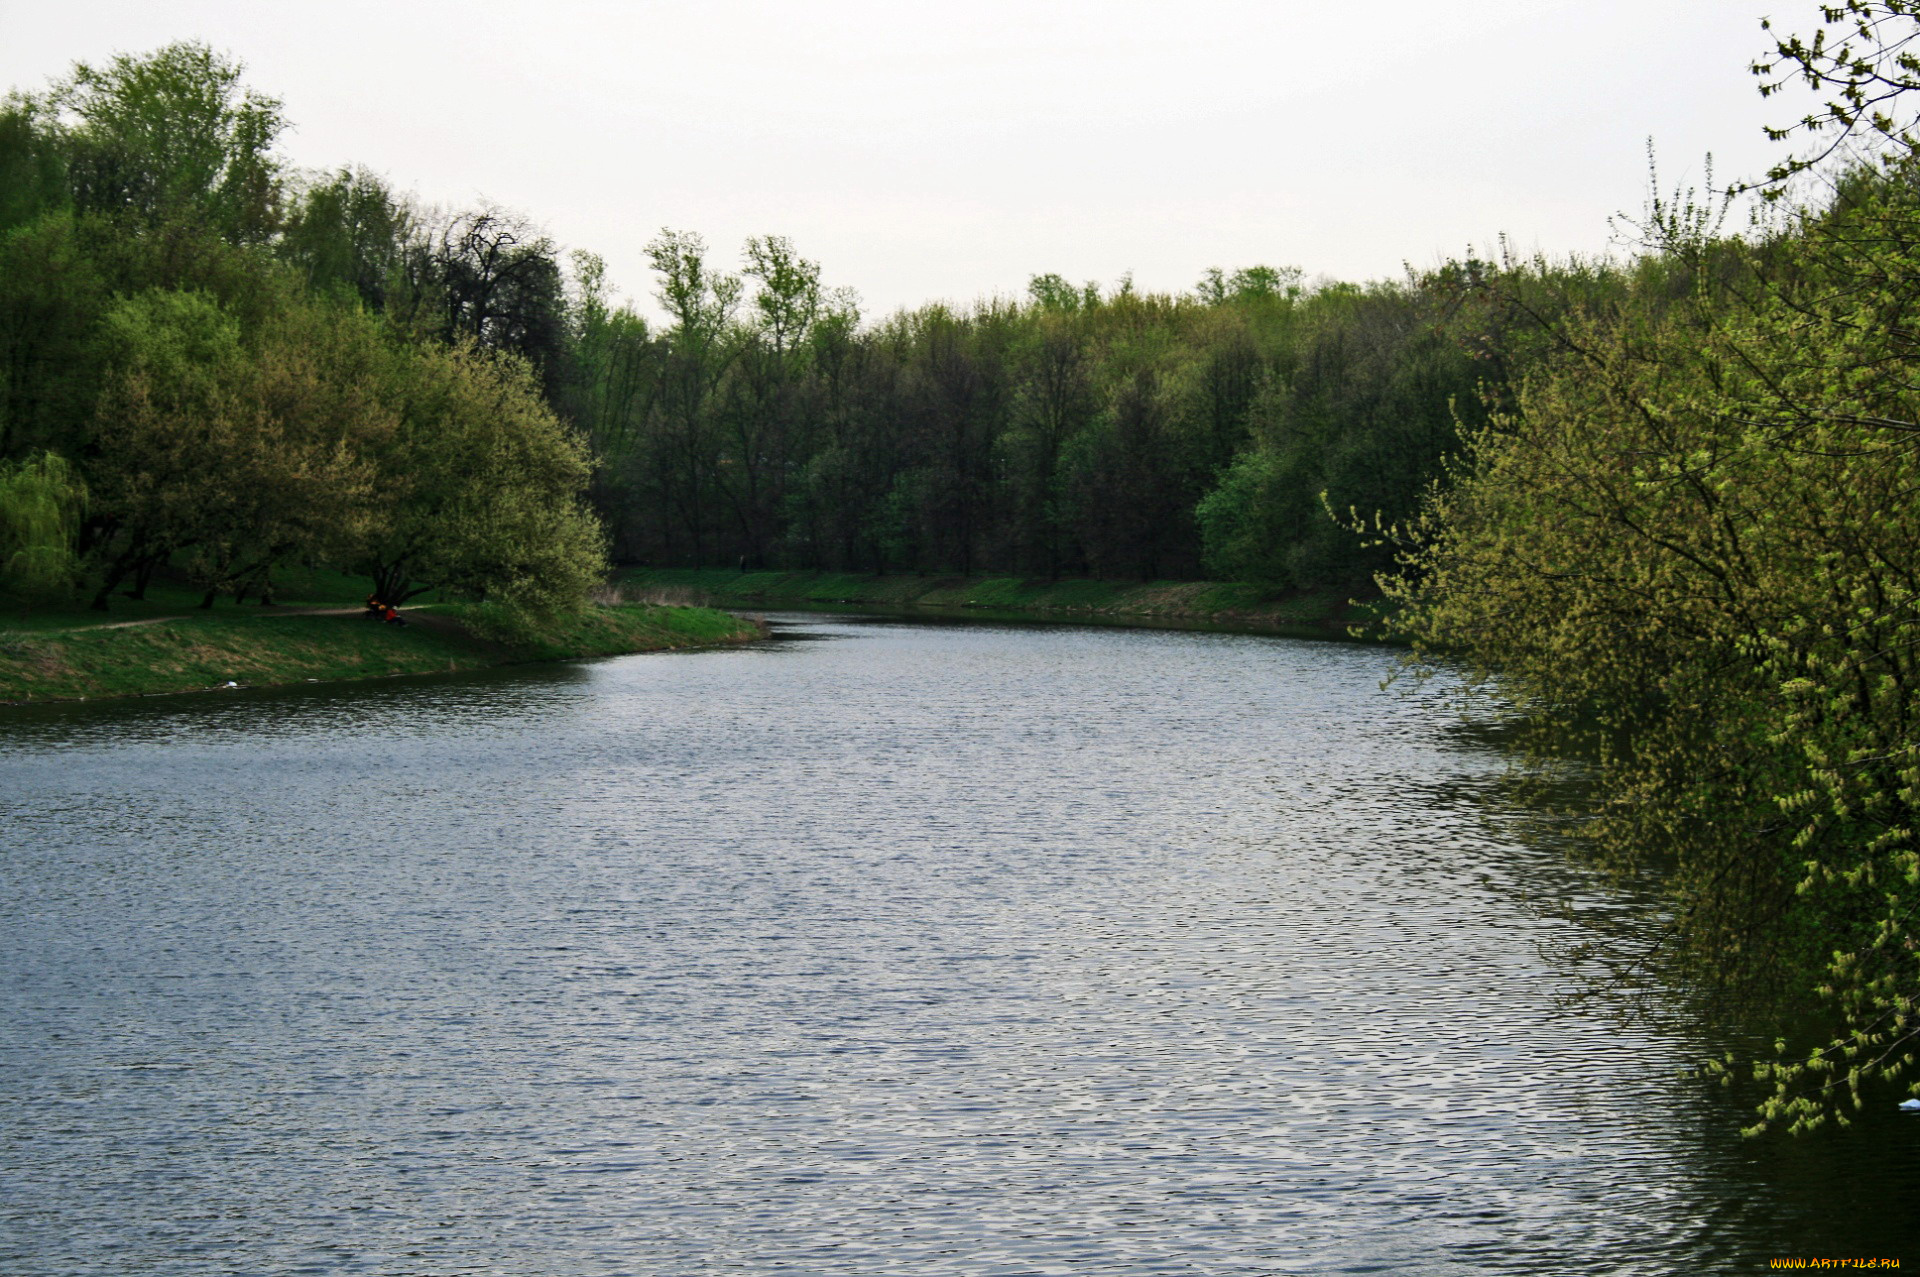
(928, 950)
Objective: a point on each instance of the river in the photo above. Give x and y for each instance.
(883, 947)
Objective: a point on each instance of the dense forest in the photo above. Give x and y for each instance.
(1074, 432)
(242, 365)
(1663, 503)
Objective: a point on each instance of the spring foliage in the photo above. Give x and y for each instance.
(1693, 541)
(41, 500)
(211, 361)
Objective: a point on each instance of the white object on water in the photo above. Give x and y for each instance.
(1911, 1106)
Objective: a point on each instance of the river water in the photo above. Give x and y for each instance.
(880, 948)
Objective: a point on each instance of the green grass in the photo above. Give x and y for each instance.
(293, 588)
(634, 627)
(256, 646)
(70, 652)
(1327, 611)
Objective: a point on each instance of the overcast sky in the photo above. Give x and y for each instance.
(924, 151)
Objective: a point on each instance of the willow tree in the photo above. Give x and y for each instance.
(41, 499)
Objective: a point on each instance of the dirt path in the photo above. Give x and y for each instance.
(255, 614)
(115, 625)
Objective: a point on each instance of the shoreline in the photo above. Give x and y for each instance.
(230, 649)
(1195, 605)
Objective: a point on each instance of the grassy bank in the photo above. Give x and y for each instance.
(104, 656)
(1328, 612)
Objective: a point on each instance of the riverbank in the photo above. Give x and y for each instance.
(1323, 613)
(255, 647)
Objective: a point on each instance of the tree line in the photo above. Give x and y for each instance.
(765, 422)
(1076, 431)
(241, 365)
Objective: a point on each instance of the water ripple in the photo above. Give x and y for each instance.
(924, 950)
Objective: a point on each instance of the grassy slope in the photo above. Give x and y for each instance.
(1329, 610)
(71, 655)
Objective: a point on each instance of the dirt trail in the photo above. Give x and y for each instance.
(253, 614)
(115, 625)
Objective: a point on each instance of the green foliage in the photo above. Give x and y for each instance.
(167, 138)
(233, 453)
(489, 277)
(54, 291)
(41, 500)
(700, 300)
(1193, 604)
(1252, 283)
(1054, 292)
(1360, 417)
(261, 648)
(479, 488)
(33, 177)
(1693, 543)
(348, 236)
(788, 298)
(1256, 516)
(1862, 55)
(1075, 434)
(245, 381)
